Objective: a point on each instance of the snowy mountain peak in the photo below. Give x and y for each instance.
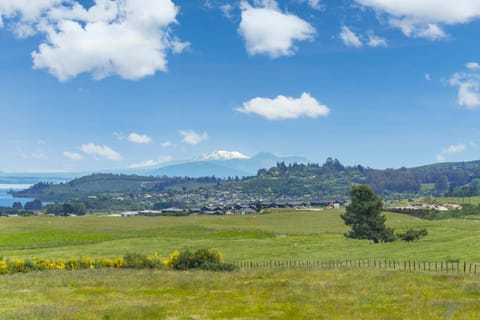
(225, 155)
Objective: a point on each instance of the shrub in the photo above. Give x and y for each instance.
(141, 261)
(205, 259)
(172, 259)
(413, 235)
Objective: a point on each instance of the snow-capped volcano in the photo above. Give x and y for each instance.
(225, 155)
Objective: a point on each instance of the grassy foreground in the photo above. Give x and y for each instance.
(147, 294)
(260, 294)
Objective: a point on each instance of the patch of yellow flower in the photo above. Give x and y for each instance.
(172, 259)
(16, 265)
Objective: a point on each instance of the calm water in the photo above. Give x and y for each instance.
(6, 200)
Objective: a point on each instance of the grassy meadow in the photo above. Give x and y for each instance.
(147, 294)
(259, 294)
(278, 235)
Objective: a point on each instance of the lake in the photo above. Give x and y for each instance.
(7, 200)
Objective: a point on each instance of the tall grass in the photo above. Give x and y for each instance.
(149, 294)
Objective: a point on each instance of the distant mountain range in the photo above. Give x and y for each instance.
(223, 164)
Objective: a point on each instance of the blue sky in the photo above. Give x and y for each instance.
(95, 85)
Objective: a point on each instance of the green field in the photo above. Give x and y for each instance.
(260, 294)
(279, 235)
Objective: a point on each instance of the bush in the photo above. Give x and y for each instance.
(205, 259)
(135, 261)
(139, 261)
(413, 235)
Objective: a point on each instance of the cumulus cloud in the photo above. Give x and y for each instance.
(73, 156)
(139, 138)
(166, 144)
(450, 150)
(473, 66)
(191, 137)
(314, 4)
(268, 31)
(102, 151)
(129, 38)
(282, 108)
(25, 10)
(468, 85)
(349, 38)
(425, 18)
(376, 41)
(150, 163)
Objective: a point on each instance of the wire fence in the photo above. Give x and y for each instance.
(449, 267)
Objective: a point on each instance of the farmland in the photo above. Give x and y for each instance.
(278, 235)
(245, 294)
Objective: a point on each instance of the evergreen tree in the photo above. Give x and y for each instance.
(364, 215)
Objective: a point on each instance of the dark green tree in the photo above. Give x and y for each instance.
(441, 185)
(364, 216)
(33, 205)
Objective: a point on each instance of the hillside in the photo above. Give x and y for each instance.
(284, 183)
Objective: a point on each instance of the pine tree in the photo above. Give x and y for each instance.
(364, 215)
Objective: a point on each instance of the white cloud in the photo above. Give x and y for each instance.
(166, 144)
(314, 4)
(425, 18)
(431, 31)
(26, 10)
(73, 156)
(349, 38)
(150, 163)
(129, 38)
(102, 151)
(191, 137)
(428, 77)
(281, 107)
(144, 164)
(268, 31)
(473, 66)
(139, 138)
(468, 85)
(376, 41)
(227, 10)
(450, 150)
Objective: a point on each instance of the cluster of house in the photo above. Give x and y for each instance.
(428, 207)
(237, 209)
